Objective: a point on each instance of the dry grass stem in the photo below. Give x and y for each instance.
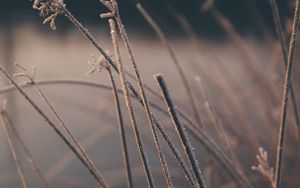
(121, 129)
(218, 125)
(116, 15)
(215, 150)
(232, 82)
(287, 83)
(12, 147)
(190, 125)
(51, 108)
(129, 105)
(281, 36)
(52, 125)
(265, 90)
(215, 120)
(89, 37)
(167, 45)
(241, 68)
(181, 131)
(33, 164)
(57, 168)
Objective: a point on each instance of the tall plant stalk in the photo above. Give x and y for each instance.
(202, 137)
(116, 15)
(181, 131)
(52, 125)
(129, 105)
(10, 127)
(90, 37)
(167, 45)
(217, 124)
(121, 129)
(284, 50)
(12, 148)
(57, 116)
(221, 158)
(250, 65)
(287, 84)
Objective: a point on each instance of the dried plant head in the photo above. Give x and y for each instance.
(208, 4)
(49, 10)
(263, 166)
(112, 5)
(30, 76)
(98, 64)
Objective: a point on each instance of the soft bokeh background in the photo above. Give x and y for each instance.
(64, 53)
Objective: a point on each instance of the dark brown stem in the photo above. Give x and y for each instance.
(167, 45)
(181, 131)
(287, 83)
(281, 36)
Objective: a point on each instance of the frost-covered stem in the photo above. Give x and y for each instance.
(50, 122)
(129, 105)
(287, 83)
(177, 155)
(143, 96)
(175, 61)
(85, 156)
(281, 36)
(181, 131)
(201, 136)
(121, 129)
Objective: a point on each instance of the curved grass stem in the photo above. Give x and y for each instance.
(52, 125)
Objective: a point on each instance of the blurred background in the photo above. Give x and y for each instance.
(250, 17)
(211, 54)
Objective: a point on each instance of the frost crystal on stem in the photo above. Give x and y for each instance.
(263, 166)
